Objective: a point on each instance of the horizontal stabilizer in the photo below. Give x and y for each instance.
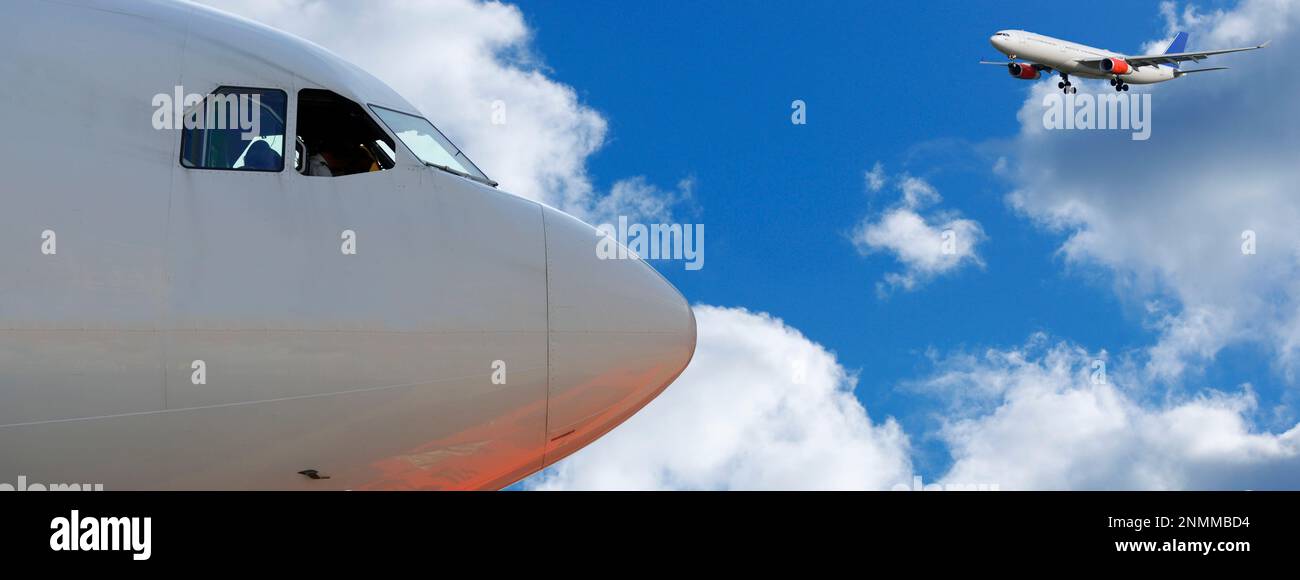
(1184, 72)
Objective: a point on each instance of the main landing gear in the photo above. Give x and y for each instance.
(1118, 84)
(1065, 85)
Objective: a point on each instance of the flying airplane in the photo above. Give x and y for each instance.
(329, 295)
(1045, 54)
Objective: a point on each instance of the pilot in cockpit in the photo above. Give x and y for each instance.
(260, 156)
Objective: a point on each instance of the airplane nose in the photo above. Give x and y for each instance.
(619, 334)
(996, 41)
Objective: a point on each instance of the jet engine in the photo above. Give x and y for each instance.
(1116, 66)
(1023, 71)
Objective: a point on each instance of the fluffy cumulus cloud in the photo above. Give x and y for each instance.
(760, 407)
(926, 243)
(1049, 416)
(1171, 216)
(474, 60)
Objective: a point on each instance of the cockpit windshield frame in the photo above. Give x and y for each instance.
(460, 164)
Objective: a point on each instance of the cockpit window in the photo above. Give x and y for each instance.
(336, 137)
(429, 144)
(237, 129)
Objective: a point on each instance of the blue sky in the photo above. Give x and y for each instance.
(706, 94)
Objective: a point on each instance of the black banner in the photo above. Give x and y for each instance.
(1174, 530)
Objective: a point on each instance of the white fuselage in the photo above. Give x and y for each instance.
(1065, 56)
(380, 367)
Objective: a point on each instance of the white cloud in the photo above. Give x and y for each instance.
(638, 199)
(1167, 215)
(1037, 417)
(760, 407)
(926, 245)
(454, 59)
(876, 177)
(917, 192)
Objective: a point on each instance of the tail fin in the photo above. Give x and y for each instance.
(1178, 45)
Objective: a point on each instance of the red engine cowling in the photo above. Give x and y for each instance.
(1023, 71)
(1116, 66)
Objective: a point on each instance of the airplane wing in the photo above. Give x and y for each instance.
(1172, 58)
